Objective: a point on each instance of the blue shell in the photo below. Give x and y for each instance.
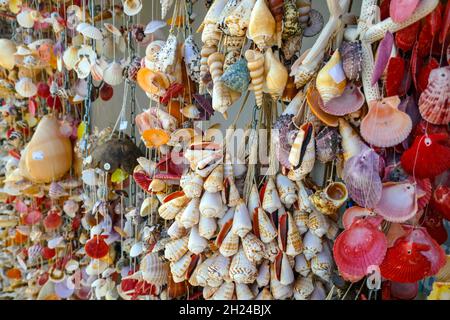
(237, 76)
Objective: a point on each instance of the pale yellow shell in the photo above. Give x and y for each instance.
(7, 59)
(175, 249)
(262, 25)
(211, 35)
(214, 182)
(331, 79)
(276, 75)
(215, 63)
(205, 53)
(170, 209)
(255, 64)
(230, 245)
(239, 20)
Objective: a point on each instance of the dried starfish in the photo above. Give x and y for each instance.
(334, 27)
(369, 33)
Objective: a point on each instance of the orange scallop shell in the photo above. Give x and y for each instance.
(315, 102)
(152, 82)
(155, 137)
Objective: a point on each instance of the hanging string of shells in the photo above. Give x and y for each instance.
(336, 187)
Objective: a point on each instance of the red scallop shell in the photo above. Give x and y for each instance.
(96, 247)
(424, 74)
(142, 179)
(433, 222)
(404, 262)
(357, 248)
(53, 220)
(441, 201)
(394, 75)
(427, 157)
(427, 188)
(435, 254)
(48, 253)
(405, 38)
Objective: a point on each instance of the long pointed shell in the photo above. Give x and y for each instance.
(255, 64)
(294, 241)
(261, 27)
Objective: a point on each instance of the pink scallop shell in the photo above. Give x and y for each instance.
(354, 213)
(434, 102)
(385, 125)
(398, 202)
(350, 101)
(357, 248)
(401, 10)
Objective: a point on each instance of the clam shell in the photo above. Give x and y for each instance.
(89, 31)
(132, 7)
(351, 100)
(328, 143)
(113, 74)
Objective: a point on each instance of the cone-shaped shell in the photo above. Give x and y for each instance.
(359, 247)
(48, 156)
(321, 265)
(262, 25)
(176, 230)
(242, 270)
(197, 243)
(179, 267)
(294, 241)
(191, 214)
(384, 125)
(225, 292)
(303, 288)
(312, 245)
(241, 221)
(318, 223)
(286, 190)
(175, 249)
(331, 79)
(243, 292)
(192, 185)
(207, 227)
(230, 245)
(278, 290)
(351, 142)
(302, 265)
(264, 227)
(214, 182)
(276, 75)
(172, 205)
(211, 205)
(253, 247)
(7, 59)
(271, 201)
(398, 202)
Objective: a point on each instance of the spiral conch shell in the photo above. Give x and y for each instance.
(255, 64)
(276, 75)
(331, 79)
(261, 28)
(221, 95)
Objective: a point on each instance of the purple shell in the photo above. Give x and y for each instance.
(382, 56)
(62, 290)
(409, 106)
(328, 143)
(362, 178)
(351, 100)
(204, 102)
(283, 135)
(351, 53)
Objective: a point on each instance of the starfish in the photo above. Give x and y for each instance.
(334, 29)
(370, 32)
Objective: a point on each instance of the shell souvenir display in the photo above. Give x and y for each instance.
(327, 181)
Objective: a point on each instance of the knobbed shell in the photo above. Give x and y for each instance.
(261, 27)
(331, 79)
(255, 64)
(351, 53)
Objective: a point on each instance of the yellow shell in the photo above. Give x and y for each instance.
(255, 64)
(261, 28)
(276, 75)
(441, 291)
(331, 79)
